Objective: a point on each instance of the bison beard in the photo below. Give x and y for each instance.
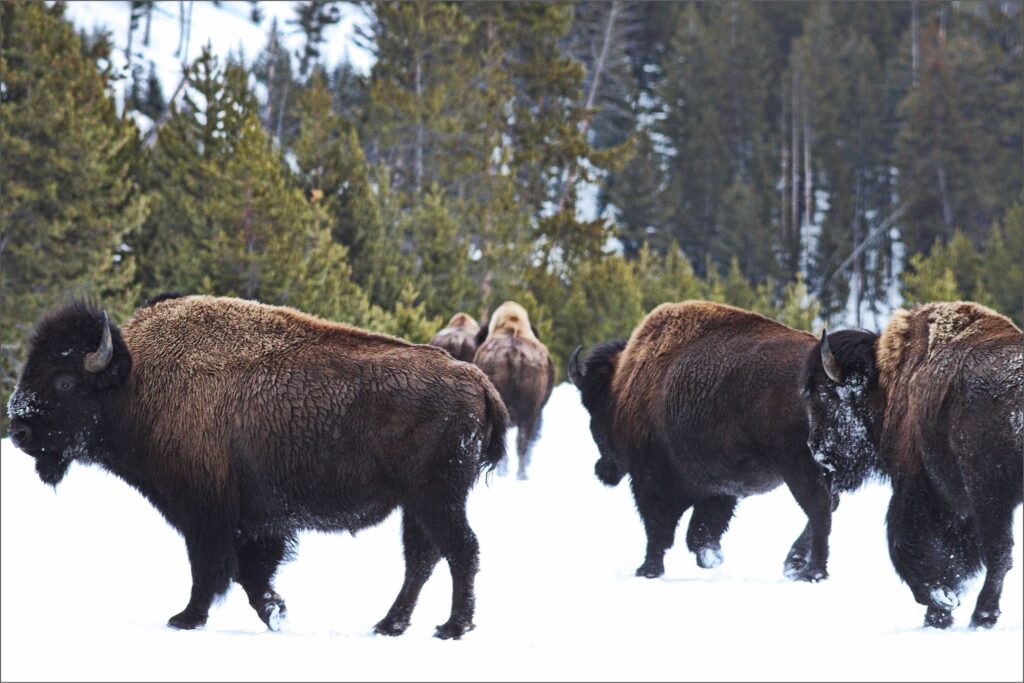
(934, 402)
(244, 423)
(700, 407)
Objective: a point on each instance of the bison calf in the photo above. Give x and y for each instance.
(244, 423)
(520, 367)
(701, 407)
(458, 337)
(934, 402)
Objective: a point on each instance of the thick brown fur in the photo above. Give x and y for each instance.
(244, 423)
(938, 407)
(519, 365)
(458, 337)
(701, 407)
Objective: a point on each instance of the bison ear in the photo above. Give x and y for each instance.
(828, 361)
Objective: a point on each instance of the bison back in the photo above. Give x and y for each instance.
(522, 372)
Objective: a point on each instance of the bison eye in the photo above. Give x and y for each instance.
(64, 384)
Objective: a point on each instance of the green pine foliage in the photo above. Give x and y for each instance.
(70, 203)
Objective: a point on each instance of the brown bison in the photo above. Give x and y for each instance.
(458, 337)
(243, 423)
(520, 367)
(935, 402)
(701, 407)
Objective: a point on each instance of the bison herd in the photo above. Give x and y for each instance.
(244, 423)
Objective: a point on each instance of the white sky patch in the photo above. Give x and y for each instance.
(228, 29)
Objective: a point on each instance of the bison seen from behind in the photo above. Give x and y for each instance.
(520, 367)
(935, 402)
(458, 337)
(701, 407)
(244, 423)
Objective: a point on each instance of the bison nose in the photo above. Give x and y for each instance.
(20, 433)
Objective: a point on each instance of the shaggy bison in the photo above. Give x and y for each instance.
(935, 402)
(458, 337)
(521, 369)
(701, 407)
(243, 423)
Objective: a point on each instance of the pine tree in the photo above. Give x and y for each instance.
(273, 71)
(1003, 269)
(312, 18)
(69, 201)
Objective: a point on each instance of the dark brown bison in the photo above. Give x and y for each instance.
(243, 423)
(701, 407)
(935, 402)
(520, 367)
(458, 337)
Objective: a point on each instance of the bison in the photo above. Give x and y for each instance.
(935, 403)
(520, 367)
(701, 407)
(243, 423)
(458, 337)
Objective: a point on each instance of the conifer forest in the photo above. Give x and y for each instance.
(818, 162)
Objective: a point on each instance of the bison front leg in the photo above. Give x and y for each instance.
(931, 548)
(710, 520)
(810, 487)
(660, 511)
(212, 556)
(258, 560)
(421, 556)
(800, 552)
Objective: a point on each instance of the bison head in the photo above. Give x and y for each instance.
(593, 378)
(840, 393)
(76, 361)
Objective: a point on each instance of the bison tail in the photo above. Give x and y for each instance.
(498, 420)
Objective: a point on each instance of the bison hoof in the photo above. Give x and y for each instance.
(709, 558)
(453, 630)
(391, 627)
(807, 573)
(938, 618)
(187, 620)
(944, 598)
(273, 614)
(521, 476)
(983, 619)
(795, 563)
(650, 570)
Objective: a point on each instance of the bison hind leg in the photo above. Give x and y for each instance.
(421, 556)
(526, 436)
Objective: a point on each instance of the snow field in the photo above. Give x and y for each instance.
(91, 574)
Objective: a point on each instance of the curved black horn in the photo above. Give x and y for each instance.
(575, 367)
(828, 361)
(98, 360)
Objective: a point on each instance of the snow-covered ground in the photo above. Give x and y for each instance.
(91, 574)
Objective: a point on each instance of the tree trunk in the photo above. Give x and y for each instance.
(915, 55)
(609, 28)
(418, 85)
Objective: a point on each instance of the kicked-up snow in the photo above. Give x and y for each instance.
(91, 574)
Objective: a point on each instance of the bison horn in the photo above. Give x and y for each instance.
(575, 369)
(828, 361)
(98, 360)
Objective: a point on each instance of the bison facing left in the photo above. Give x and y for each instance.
(243, 423)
